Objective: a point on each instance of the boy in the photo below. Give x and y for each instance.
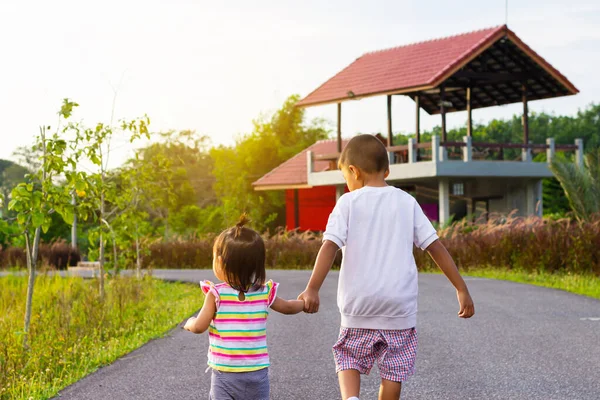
(376, 226)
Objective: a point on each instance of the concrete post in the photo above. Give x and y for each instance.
(526, 155)
(550, 150)
(438, 153)
(579, 152)
(412, 154)
(309, 165)
(539, 198)
(444, 201)
(468, 149)
(435, 148)
(530, 190)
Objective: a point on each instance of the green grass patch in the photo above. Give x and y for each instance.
(73, 333)
(583, 284)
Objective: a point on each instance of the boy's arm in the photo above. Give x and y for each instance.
(444, 261)
(201, 323)
(323, 264)
(287, 306)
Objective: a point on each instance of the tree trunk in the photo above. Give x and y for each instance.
(32, 255)
(101, 255)
(115, 260)
(74, 226)
(101, 269)
(138, 260)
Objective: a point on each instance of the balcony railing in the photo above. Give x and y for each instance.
(467, 151)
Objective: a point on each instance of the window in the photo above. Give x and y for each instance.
(458, 189)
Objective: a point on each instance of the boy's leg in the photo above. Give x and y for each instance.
(389, 390)
(349, 383)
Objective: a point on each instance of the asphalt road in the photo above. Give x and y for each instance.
(524, 342)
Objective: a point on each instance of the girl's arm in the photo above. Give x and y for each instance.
(200, 323)
(442, 258)
(287, 306)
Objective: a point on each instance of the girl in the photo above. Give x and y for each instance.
(235, 314)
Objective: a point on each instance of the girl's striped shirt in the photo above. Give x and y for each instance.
(238, 331)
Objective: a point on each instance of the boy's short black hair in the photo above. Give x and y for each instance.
(365, 152)
(243, 253)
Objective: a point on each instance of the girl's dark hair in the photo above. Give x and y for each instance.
(242, 251)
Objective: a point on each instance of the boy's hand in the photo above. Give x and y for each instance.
(311, 300)
(467, 308)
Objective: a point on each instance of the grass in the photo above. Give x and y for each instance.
(73, 333)
(582, 284)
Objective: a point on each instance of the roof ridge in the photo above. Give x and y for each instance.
(497, 27)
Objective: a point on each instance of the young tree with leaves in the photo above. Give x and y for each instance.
(36, 200)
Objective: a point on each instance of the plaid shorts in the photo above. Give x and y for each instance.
(394, 350)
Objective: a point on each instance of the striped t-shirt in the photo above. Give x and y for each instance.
(238, 331)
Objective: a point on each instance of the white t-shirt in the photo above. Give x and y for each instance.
(376, 228)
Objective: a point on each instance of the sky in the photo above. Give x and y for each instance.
(213, 66)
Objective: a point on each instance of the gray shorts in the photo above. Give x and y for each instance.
(239, 385)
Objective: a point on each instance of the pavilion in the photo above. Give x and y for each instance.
(485, 68)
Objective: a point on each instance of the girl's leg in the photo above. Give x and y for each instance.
(349, 383)
(389, 390)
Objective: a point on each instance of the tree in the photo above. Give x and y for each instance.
(95, 145)
(581, 184)
(35, 201)
(272, 141)
(179, 179)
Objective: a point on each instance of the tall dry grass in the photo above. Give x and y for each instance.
(530, 244)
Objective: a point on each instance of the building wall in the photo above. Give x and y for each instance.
(315, 206)
(502, 196)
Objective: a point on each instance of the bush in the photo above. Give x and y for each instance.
(530, 244)
(58, 255)
(289, 250)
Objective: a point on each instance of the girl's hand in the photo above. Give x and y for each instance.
(465, 302)
(190, 322)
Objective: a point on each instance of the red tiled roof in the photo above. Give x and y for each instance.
(293, 172)
(412, 67)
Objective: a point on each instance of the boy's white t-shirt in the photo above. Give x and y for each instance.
(376, 228)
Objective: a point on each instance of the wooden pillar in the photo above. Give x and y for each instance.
(418, 119)
(296, 209)
(469, 120)
(390, 138)
(339, 127)
(443, 112)
(525, 117)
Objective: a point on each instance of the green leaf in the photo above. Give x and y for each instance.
(12, 204)
(38, 219)
(46, 225)
(80, 185)
(68, 216)
(21, 218)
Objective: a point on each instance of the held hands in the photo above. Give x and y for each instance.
(311, 300)
(465, 302)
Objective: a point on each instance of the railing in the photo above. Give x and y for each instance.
(468, 151)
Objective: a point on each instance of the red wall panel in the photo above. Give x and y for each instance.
(315, 206)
